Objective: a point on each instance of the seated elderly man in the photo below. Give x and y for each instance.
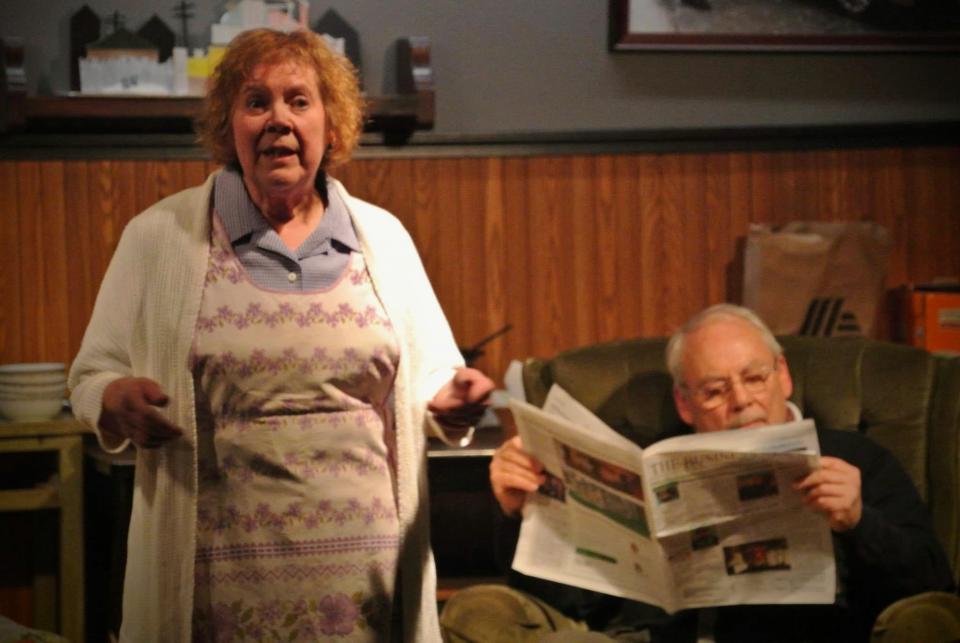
(729, 372)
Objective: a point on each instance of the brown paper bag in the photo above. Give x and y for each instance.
(813, 278)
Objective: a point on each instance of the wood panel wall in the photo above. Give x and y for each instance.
(569, 249)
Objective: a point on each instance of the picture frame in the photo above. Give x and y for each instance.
(784, 25)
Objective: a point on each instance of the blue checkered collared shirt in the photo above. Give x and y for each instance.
(315, 265)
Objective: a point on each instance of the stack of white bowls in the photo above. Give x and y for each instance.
(32, 392)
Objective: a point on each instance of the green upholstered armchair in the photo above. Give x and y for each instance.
(905, 398)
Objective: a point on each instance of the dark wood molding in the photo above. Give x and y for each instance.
(172, 114)
(690, 139)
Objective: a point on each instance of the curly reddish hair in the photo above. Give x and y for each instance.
(337, 77)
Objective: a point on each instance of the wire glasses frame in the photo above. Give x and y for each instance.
(714, 393)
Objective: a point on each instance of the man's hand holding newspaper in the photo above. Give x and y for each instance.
(693, 521)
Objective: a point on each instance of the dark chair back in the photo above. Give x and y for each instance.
(903, 397)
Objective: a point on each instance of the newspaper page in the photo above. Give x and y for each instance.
(729, 521)
(694, 521)
(587, 525)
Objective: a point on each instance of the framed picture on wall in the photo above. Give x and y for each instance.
(784, 25)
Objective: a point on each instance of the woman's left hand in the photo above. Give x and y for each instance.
(462, 401)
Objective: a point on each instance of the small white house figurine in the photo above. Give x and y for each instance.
(251, 14)
(124, 63)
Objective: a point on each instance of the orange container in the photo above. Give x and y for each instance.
(932, 319)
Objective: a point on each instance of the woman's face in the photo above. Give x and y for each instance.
(279, 129)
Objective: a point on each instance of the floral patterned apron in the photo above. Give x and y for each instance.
(297, 530)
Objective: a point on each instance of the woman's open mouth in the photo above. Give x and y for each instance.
(278, 152)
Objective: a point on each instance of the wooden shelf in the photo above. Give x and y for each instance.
(85, 106)
(75, 107)
(395, 116)
(45, 496)
(63, 424)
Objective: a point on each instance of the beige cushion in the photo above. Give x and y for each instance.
(933, 617)
(499, 614)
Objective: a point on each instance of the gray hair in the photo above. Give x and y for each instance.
(675, 346)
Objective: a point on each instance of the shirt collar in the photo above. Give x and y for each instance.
(241, 217)
(793, 412)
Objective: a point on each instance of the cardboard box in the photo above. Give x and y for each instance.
(932, 317)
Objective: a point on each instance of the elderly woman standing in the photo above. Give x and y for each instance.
(274, 350)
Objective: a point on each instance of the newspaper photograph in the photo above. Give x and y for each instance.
(692, 521)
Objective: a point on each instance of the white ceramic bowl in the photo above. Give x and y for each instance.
(33, 390)
(38, 377)
(33, 373)
(31, 410)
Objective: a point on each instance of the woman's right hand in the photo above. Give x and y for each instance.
(129, 412)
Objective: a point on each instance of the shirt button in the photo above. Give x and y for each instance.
(292, 277)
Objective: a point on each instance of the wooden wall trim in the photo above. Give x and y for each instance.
(570, 249)
(26, 146)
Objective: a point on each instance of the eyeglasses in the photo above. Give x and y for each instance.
(713, 393)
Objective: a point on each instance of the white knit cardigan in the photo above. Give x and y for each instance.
(143, 325)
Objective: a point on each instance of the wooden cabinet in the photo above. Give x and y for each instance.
(60, 489)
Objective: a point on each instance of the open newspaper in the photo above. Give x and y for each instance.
(692, 521)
